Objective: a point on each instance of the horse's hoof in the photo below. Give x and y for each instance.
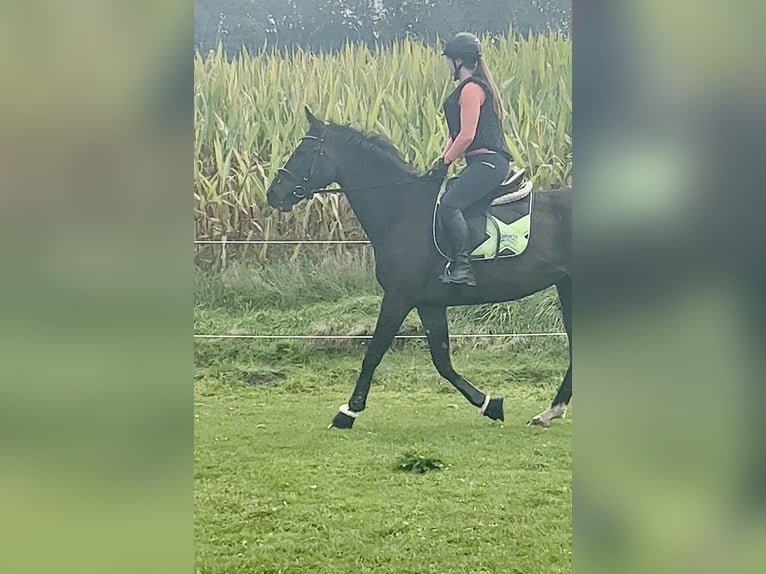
(544, 418)
(344, 419)
(539, 421)
(494, 409)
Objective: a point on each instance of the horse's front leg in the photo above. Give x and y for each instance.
(393, 310)
(434, 321)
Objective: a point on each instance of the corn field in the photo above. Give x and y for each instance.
(249, 118)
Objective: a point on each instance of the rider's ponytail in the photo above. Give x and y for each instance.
(482, 70)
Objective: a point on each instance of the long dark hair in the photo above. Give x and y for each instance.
(482, 71)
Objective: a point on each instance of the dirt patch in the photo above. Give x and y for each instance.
(262, 378)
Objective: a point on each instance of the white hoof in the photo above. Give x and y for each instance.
(558, 411)
(544, 418)
(540, 420)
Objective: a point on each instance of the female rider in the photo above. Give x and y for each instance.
(474, 113)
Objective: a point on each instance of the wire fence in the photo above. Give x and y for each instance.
(280, 242)
(336, 337)
(353, 337)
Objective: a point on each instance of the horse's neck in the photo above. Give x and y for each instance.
(377, 200)
(376, 213)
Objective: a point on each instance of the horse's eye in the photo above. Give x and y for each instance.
(279, 180)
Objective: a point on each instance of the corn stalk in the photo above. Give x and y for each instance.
(249, 118)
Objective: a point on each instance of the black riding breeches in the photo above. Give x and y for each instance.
(483, 174)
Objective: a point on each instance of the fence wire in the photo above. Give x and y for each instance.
(337, 337)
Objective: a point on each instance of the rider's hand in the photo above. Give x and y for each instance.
(438, 169)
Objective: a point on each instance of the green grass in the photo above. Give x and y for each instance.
(277, 492)
(338, 295)
(308, 276)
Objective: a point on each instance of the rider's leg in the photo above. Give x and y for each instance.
(482, 175)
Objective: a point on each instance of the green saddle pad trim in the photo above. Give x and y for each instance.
(505, 239)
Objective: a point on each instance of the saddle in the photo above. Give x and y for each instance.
(499, 225)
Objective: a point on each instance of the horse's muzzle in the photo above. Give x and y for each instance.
(279, 203)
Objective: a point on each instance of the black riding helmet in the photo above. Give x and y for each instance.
(463, 46)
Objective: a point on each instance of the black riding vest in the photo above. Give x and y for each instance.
(489, 132)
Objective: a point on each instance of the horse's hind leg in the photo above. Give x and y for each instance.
(393, 310)
(434, 321)
(558, 407)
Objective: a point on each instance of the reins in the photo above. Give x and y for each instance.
(367, 187)
(301, 192)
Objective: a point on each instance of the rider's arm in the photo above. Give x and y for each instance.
(471, 99)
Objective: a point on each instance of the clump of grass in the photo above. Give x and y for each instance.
(418, 464)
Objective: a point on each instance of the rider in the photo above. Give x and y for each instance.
(474, 114)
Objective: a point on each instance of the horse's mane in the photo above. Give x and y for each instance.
(374, 144)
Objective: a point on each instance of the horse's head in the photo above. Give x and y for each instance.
(307, 169)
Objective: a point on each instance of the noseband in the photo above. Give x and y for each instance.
(300, 191)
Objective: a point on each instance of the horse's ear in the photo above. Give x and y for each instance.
(314, 122)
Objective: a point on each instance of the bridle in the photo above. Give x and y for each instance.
(300, 191)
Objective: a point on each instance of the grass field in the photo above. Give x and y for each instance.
(276, 491)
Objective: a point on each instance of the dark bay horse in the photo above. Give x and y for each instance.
(394, 205)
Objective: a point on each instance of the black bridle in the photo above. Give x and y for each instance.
(300, 191)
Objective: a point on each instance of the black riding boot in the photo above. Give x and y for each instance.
(459, 269)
